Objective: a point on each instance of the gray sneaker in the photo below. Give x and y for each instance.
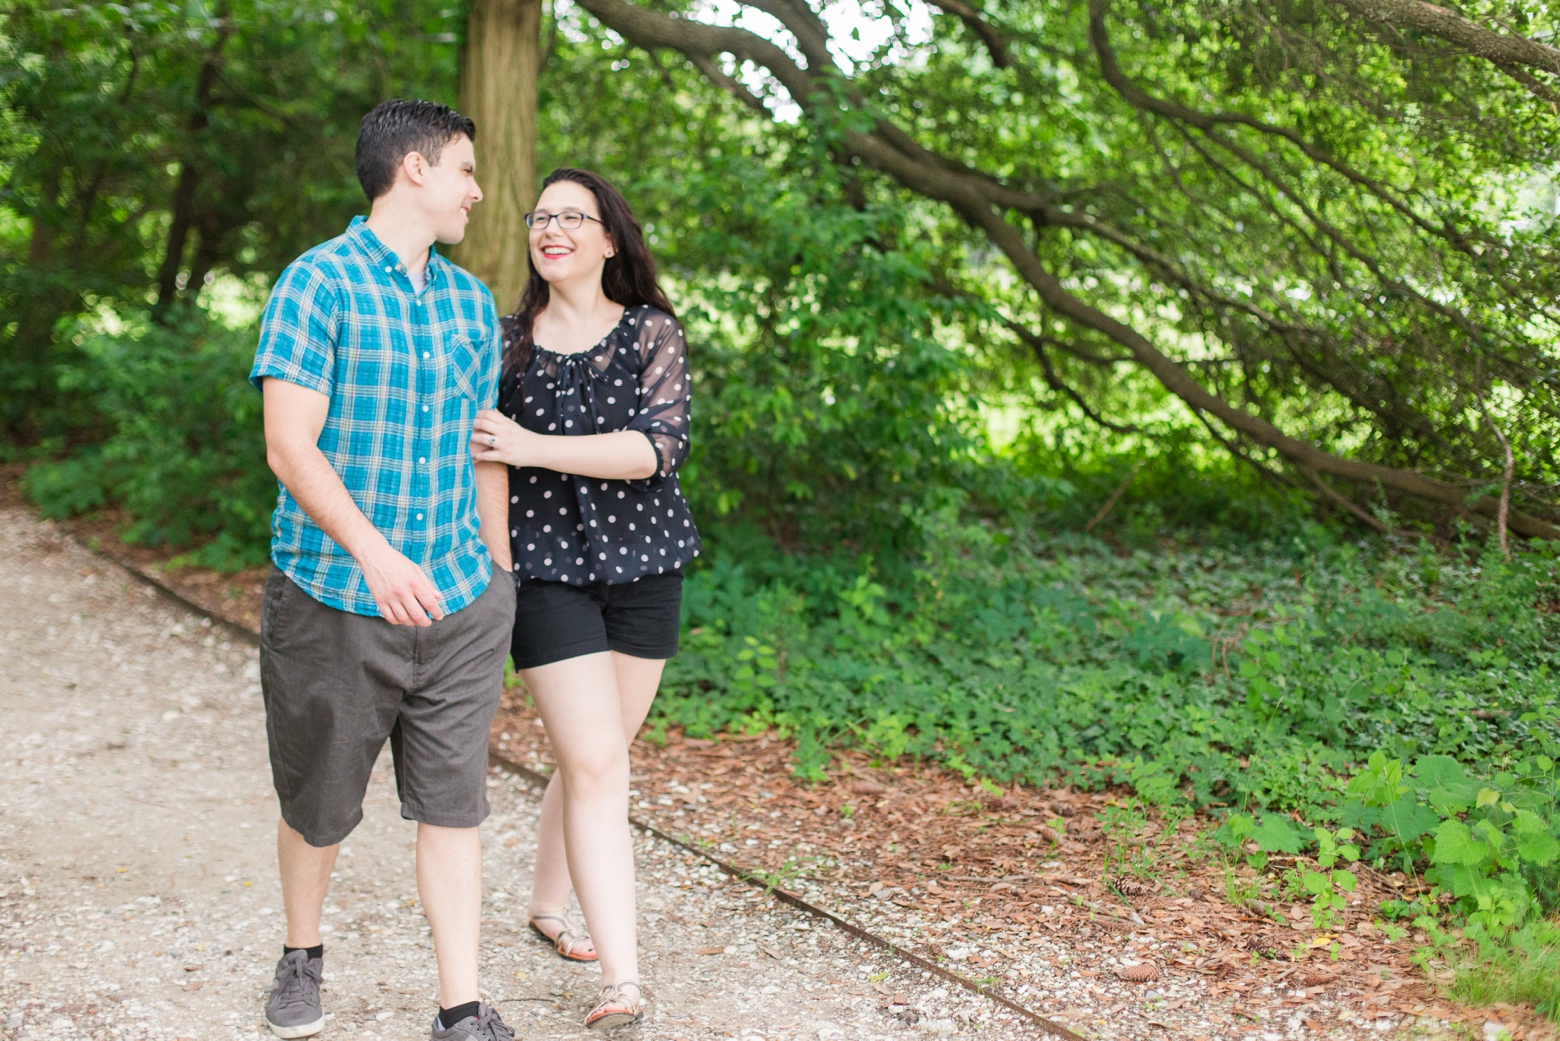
(293, 1007)
(484, 1026)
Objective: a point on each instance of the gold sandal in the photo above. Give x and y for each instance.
(565, 942)
(616, 1009)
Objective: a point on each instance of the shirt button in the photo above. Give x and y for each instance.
(419, 516)
(422, 459)
(425, 408)
(426, 354)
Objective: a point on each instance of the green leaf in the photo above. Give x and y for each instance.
(1235, 830)
(1534, 842)
(1380, 783)
(1455, 844)
(1408, 819)
(1451, 791)
(1277, 834)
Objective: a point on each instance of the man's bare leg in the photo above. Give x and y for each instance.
(449, 883)
(305, 879)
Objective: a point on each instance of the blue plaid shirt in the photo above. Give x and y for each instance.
(405, 375)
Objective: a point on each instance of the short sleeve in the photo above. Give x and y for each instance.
(665, 390)
(298, 331)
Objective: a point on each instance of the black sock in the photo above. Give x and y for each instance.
(448, 1017)
(317, 951)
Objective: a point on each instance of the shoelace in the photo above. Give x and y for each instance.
(488, 1020)
(289, 986)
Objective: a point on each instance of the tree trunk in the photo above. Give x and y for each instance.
(498, 77)
(184, 214)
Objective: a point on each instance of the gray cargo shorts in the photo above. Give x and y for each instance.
(336, 685)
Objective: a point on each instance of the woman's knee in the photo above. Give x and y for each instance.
(599, 770)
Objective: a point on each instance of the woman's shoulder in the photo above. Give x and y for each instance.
(650, 321)
(509, 329)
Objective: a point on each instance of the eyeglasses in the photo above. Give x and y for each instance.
(568, 220)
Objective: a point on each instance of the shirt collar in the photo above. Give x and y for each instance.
(381, 255)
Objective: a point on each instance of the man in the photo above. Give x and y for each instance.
(380, 620)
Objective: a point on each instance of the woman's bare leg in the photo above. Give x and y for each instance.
(638, 679)
(583, 832)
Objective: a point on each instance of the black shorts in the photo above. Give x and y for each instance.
(555, 620)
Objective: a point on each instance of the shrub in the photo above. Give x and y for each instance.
(183, 451)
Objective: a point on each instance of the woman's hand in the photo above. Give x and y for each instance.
(495, 438)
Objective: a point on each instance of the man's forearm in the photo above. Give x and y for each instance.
(308, 475)
(493, 511)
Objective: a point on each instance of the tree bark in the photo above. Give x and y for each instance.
(1500, 48)
(498, 83)
(184, 215)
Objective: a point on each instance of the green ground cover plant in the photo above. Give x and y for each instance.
(1249, 675)
(1339, 700)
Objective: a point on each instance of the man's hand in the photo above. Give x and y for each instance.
(294, 417)
(405, 595)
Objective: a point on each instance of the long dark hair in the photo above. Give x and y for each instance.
(628, 278)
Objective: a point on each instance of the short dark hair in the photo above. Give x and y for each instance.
(397, 128)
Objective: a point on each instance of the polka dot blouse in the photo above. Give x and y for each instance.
(567, 528)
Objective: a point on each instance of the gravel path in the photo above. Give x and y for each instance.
(138, 893)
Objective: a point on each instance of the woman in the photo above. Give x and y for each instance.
(593, 421)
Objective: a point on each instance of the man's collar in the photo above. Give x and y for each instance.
(363, 237)
(360, 234)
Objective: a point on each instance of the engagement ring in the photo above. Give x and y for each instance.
(492, 442)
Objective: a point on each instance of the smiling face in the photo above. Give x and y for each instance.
(450, 189)
(566, 256)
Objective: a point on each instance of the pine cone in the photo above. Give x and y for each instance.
(1126, 885)
(1142, 972)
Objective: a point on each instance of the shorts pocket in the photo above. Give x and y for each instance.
(273, 606)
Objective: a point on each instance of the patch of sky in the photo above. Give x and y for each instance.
(859, 33)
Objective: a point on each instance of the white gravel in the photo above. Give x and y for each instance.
(138, 893)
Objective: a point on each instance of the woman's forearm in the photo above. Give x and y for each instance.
(621, 455)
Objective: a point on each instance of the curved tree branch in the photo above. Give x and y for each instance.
(1499, 48)
(711, 71)
(996, 43)
(1056, 383)
(1539, 88)
(1363, 514)
(981, 203)
(1110, 68)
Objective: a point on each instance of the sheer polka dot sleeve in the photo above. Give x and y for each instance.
(665, 390)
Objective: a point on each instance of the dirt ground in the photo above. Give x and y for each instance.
(1029, 913)
(138, 894)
